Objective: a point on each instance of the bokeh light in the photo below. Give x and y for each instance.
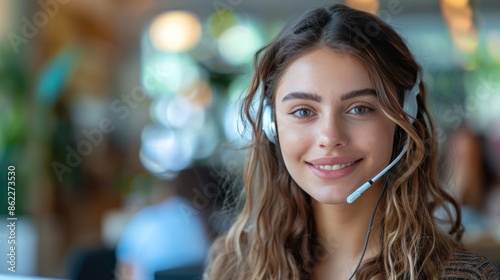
(183, 114)
(460, 18)
(461, 21)
(238, 44)
(200, 93)
(158, 110)
(458, 4)
(168, 74)
(220, 21)
(370, 6)
(164, 150)
(175, 31)
(465, 41)
(177, 112)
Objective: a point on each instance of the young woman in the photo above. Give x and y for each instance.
(340, 180)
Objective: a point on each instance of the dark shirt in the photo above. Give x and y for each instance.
(471, 266)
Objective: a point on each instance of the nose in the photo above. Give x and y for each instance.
(332, 132)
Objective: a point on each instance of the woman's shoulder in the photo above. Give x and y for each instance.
(469, 265)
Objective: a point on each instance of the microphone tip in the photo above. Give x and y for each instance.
(353, 197)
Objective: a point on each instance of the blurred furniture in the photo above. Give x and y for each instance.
(194, 272)
(94, 264)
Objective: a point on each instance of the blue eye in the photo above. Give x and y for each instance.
(302, 113)
(360, 110)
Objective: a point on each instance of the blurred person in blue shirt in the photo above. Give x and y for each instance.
(167, 235)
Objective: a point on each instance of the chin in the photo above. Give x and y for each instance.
(331, 193)
(331, 201)
(330, 198)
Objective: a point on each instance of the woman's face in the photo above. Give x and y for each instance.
(332, 132)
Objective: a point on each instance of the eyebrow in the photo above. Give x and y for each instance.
(317, 98)
(357, 93)
(302, 95)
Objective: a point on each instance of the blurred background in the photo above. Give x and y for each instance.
(120, 119)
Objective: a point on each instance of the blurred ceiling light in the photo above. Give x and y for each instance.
(175, 31)
(370, 6)
(455, 3)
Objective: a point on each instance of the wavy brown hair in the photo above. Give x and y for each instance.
(273, 237)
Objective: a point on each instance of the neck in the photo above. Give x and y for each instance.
(342, 229)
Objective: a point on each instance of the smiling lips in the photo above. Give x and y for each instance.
(333, 168)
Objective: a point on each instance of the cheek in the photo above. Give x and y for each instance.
(378, 138)
(293, 142)
(384, 142)
(289, 137)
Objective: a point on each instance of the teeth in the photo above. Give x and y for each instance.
(334, 167)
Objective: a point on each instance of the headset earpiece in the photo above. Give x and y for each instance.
(410, 105)
(268, 124)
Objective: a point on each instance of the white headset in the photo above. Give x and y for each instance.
(410, 107)
(268, 123)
